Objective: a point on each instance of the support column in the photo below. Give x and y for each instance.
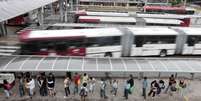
(3, 29)
(61, 10)
(52, 9)
(77, 5)
(41, 16)
(66, 11)
(71, 5)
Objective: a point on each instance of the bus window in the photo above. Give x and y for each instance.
(103, 41)
(140, 40)
(29, 48)
(191, 12)
(61, 46)
(192, 40)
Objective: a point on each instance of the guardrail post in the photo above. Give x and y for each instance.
(159, 75)
(141, 75)
(192, 75)
(175, 75)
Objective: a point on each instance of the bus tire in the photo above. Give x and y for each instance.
(163, 53)
(108, 54)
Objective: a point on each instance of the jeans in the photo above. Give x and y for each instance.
(114, 91)
(102, 93)
(67, 91)
(7, 92)
(31, 92)
(21, 91)
(166, 90)
(144, 92)
(126, 91)
(43, 91)
(76, 89)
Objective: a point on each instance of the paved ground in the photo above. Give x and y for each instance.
(192, 94)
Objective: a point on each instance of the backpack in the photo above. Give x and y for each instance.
(83, 92)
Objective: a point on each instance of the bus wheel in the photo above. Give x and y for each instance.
(108, 54)
(163, 53)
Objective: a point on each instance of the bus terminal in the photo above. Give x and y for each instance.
(100, 50)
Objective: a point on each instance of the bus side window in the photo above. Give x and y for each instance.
(91, 42)
(191, 41)
(138, 41)
(103, 41)
(61, 46)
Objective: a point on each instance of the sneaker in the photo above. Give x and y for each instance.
(65, 97)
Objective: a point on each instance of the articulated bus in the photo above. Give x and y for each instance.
(132, 21)
(113, 42)
(102, 15)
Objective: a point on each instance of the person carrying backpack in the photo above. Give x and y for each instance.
(83, 92)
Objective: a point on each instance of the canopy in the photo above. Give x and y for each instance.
(12, 8)
(84, 64)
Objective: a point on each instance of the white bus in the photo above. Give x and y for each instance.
(153, 41)
(191, 40)
(131, 21)
(113, 42)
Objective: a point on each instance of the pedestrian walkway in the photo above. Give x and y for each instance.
(193, 93)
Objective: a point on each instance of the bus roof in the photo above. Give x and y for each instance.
(163, 21)
(106, 14)
(51, 34)
(163, 7)
(107, 19)
(153, 31)
(127, 14)
(191, 31)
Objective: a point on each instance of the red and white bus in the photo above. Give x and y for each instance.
(76, 42)
(168, 9)
(185, 18)
(131, 21)
(113, 42)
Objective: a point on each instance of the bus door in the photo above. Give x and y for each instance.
(193, 45)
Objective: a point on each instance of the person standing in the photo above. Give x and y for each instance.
(42, 83)
(103, 89)
(21, 86)
(92, 83)
(85, 78)
(153, 89)
(171, 81)
(67, 83)
(114, 87)
(51, 84)
(126, 89)
(83, 92)
(7, 87)
(31, 85)
(131, 82)
(144, 87)
(76, 80)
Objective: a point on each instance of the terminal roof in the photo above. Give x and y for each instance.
(85, 64)
(12, 8)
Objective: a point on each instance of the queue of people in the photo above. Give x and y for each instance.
(84, 84)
